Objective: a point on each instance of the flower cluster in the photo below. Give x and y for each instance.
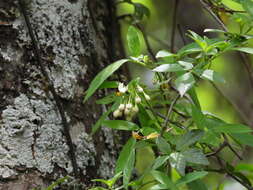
(132, 96)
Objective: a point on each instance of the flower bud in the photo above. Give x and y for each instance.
(121, 107)
(137, 99)
(117, 113)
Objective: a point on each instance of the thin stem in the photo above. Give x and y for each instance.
(169, 113)
(174, 24)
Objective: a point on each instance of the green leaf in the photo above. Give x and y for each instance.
(133, 41)
(109, 84)
(248, 6)
(98, 188)
(163, 146)
(178, 161)
(198, 117)
(189, 138)
(232, 128)
(189, 49)
(57, 182)
(129, 166)
(211, 138)
(195, 156)
(107, 99)
(159, 161)
(198, 39)
(120, 125)
(164, 53)
(194, 97)
(96, 126)
(184, 83)
(124, 155)
(158, 187)
(186, 65)
(197, 185)
(191, 177)
(243, 138)
(212, 76)
(140, 10)
(102, 76)
(244, 49)
(164, 179)
(168, 68)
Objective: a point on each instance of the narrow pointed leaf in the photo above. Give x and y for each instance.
(168, 68)
(120, 125)
(191, 177)
(102, 76)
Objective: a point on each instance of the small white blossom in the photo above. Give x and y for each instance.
(137, 99)
(140, 89)
(129, 106)
(122, 88)
(127, 111)
(147, 97)
(135, 109)
(117, 113)
(121, 107)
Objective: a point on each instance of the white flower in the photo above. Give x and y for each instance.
(129, 106)
(140, 89)
(117, 113)
(127, 111)
(147, 97)
(122, 88)
(135, 109)
(137, 99)
(121, 107)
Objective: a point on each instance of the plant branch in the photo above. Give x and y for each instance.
(169, 113)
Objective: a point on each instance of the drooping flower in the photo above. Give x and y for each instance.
(122, 88)
(117, 113)
(137, 99)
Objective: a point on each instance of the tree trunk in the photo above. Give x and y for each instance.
(44, 126)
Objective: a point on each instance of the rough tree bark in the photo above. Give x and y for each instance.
(76, 38)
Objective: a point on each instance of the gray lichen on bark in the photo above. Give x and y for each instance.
(30, 124)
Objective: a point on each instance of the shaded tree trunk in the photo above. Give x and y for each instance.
(76, 38)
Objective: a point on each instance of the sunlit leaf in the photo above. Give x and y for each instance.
(184, 83)
(178, 161)
(168, 68)
(212, 76)
(133, 41)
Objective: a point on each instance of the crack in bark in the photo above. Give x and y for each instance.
(52, 90)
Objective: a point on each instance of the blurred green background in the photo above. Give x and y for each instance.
(232, 102)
